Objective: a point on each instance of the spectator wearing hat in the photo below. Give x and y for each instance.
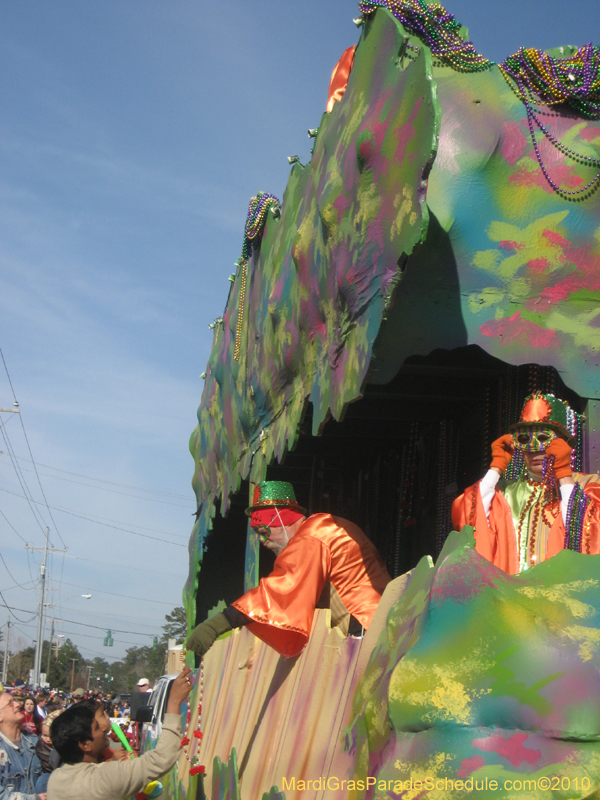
(531, 504)
(310, 552)
(141, 696)
(19, 765)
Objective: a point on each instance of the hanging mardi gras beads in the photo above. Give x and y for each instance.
(195, 767)
(436, 28)
(574, 81)
(576, 511)
(255, 222)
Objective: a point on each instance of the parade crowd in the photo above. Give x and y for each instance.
(27, 755)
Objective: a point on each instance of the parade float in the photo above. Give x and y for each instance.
(436, 260)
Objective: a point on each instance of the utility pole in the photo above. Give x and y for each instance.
(5, 664)
(73, 673)
(37, 660)
(50, 649)
(89, 669)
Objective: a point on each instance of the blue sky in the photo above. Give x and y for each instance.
(132, 137)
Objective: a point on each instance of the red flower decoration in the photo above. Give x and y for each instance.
(198, 734)
(185, 741)
(199, 770)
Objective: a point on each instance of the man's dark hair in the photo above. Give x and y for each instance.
(72, 727)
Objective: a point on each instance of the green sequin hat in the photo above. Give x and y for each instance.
(547, 411)
(274, 494)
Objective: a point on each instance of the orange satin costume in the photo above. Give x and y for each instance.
(324, 548)
(496, 538)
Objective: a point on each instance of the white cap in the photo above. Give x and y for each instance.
(143, 682)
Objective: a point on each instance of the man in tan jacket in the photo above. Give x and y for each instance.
(80, 736)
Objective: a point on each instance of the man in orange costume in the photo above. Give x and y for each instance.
(310, 551)
(548, 508)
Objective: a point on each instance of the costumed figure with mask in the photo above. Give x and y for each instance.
(532, 503)
(310, 552)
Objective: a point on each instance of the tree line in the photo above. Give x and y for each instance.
(68, 667)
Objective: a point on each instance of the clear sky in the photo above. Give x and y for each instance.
(132, 136)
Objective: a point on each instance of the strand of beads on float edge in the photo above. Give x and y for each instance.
(186, 742)
(571, 82)
(255, 222)
(437, 28)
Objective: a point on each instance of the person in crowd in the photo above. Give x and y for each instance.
(41, 702)
(310, 552)
(141, 696)
(32, 721)
(19, 764)
(48, 757)
(80, 737)
(547, 507)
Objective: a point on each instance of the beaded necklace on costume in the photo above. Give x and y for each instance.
(195, 767)
(436, 28)
(544, 497)
(255, 221)
(573, 81)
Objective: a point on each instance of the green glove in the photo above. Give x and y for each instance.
(201, 639)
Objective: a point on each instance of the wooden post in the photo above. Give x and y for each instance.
(73, 673)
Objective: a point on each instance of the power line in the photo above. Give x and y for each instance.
(74, 622)
(124, 566)
(26, 493)
(13, 527)
(111, 483)
(113, 616)
(112, 594)
(78, 634)
(20, 586)
(113, 491)
(30, 453)
(12, 576)
(12, 610)
(105, 524)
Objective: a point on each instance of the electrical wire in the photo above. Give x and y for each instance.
(11, 575)
(70, 633)
(110, 483)
(13, 527)
(105, 524)
(126, 567)
(22, 482)
(74, 622)
(30, 453)
(12, 611)
(113, 491)
(112, 594)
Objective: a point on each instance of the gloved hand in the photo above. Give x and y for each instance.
(562, 458)
(201, 639)
(502, 452)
